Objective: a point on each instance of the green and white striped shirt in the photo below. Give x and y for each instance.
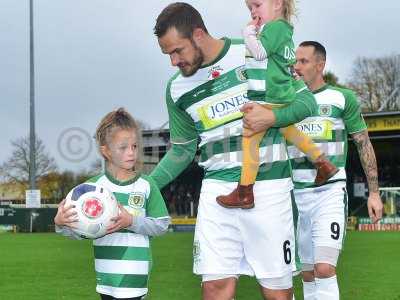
(338, 115)
(206, 107)
(123, 258)
(271, 79)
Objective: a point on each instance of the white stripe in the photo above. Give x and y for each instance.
(122, 239)
(120, 292)
(268, 154)
(140, 184)
(308, 175)
(183, 143)
(222, 161)
(121, 266)
(232, 129)
(329, 149)
(181, 85)
(234, 58)
(256, 85)
(276, 152)
(331, 97)
(302, 89)
(262, 187)
(252, 63)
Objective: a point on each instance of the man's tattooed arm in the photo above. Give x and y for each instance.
(368, 159)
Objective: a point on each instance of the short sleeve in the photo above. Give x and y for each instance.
(155, 206)
(352, 117)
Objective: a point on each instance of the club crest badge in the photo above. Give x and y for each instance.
(325, 110)
(214, 72)
(136, 200)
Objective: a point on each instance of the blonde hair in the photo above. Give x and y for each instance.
(289, 10)
(119, 119)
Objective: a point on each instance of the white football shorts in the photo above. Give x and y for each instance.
(321, 221)
(257, 242)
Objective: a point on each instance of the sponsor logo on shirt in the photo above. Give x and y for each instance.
(317, 129)
(221, 110)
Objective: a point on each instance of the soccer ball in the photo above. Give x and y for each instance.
(95, 206)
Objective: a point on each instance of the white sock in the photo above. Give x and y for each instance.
(309, 290)
(327, 288)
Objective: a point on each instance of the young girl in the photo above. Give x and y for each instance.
(123, 256)
(268, 38)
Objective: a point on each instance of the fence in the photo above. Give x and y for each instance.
(28, 219)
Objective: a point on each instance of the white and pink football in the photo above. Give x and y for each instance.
(95, 206)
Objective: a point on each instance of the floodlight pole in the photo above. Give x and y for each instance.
(32, 138)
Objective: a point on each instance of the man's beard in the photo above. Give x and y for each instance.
(196, 64)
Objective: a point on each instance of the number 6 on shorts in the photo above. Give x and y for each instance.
(287, 254)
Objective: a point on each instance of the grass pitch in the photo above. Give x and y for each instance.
(52, 267)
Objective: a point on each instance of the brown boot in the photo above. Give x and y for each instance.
(240, 197)
(325, 170)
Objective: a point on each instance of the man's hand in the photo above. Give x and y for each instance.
(123, 220)
(66, 215)
(257, 118)
(375, 207)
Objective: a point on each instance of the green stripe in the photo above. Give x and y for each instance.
(122, 253)
(122, 198)
(269, 171)
(256, 95)
(295, 212)
(256, 74)
(229, 144)
(122, 280)
(346, 213)
(234, 143)
(237, 41)
(336, 112)
(122, 183)
(209, 88)
(304, 185)
(95, 179)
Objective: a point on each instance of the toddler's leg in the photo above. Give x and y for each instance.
(242, 196)
(251, 158)
(325, 169)
(302, 141)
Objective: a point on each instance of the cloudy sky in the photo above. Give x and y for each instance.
(95, 55)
